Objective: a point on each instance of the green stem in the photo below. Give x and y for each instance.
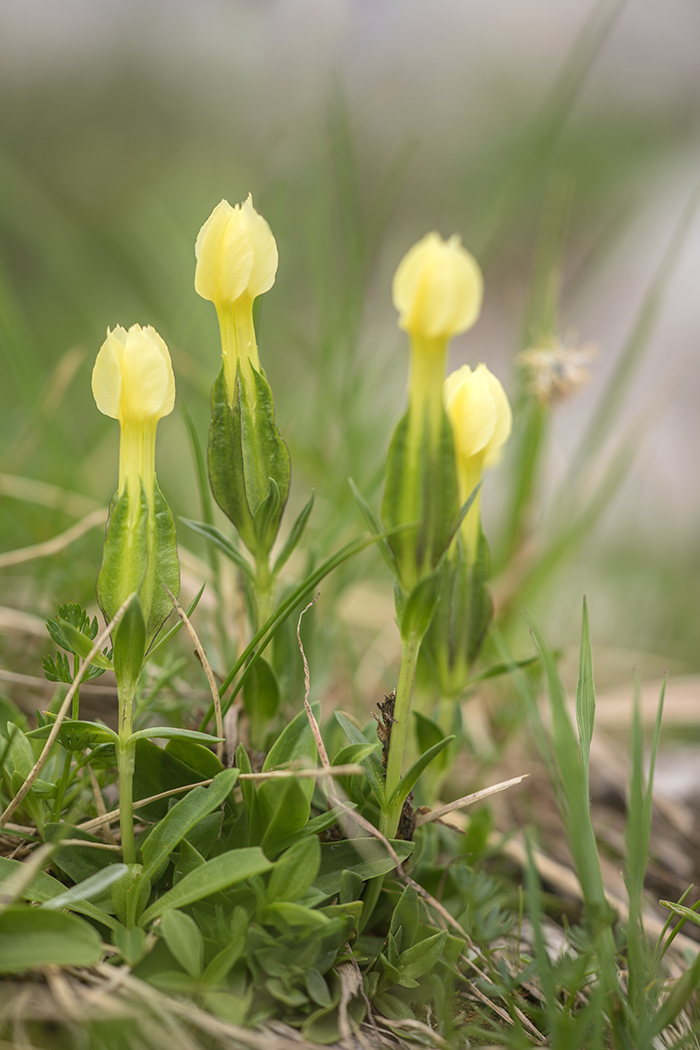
(126, 754)
(410, 648)
(265, 587)
(65, 775)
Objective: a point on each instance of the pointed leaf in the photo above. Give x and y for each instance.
(184, 815)
(184, 940)
(217, 539)
(409, 779)
(81, 644)
(295, 535)
(215, 875)
(32, 937)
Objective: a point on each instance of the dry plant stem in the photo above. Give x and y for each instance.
(99, 801)
(323, 754)
(58, 543)
(351, 769)
(467, 800)
(399, 731)
(63, 710)
(207, 670)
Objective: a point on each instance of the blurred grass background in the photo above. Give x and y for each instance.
(358, 125)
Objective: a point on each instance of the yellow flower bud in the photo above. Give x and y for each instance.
(236, 261)
(437, 288)
(481, 419)
(133, 381)
(236, 254)
(479, 412)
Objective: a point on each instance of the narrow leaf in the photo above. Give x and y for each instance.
(215, 875)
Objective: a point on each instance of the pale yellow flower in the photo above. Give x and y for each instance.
(437, 288)
(133, 381)
(479, 412)
(236, 261)
(481, 418)
(236, 254)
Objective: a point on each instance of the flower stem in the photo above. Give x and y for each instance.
(126, 754)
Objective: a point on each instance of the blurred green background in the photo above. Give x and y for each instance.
(559, 138)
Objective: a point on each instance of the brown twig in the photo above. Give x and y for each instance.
(323, 754)
(467, 800)
(207, 670)
(340, 771)
(58, 543)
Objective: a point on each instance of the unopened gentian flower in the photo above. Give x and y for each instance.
(481, 419)
(437, 290)
(248, 461)
(236, 262)
(133, 381)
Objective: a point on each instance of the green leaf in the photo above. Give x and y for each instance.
(215, 875)
(130, 894)
(350, 887)
(294, 746)
(265, 515)
(421, 957)
(496, 670)
(75, 735)
(314, 826)
(428, 732)
(372, 764)
(172, 732)
(44, 888)
(186, 861)
(156, 771)
(418, 609)
(295, 871)
(217, 538)
(261, 699)
(32, 937)
(183, 816)
(200, 464)
(82, 644)
(405, 917)
(374, 527)
(131, 943)
(355, 753)
(184, 940)
(93, 886)
(408, 780)
(295, 535)
(681, 911)
(585, 694)
(194, 755)
(286, 805)
(366, 857)
(130, 646)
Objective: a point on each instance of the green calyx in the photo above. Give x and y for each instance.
(249, 465)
